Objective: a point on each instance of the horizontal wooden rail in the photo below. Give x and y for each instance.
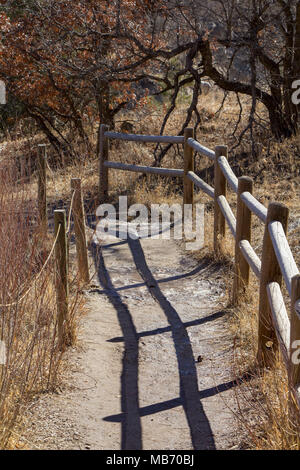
(228, 214)
(228, 173)
(163, 139)
(144, 169)
(280, 318)
(255, 206)
(201, 184)
(251, 257)
(201, 149)
(283, 254)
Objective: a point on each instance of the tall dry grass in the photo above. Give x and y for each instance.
(28, 314)
(263, 394)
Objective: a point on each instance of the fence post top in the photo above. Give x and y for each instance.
(278, 212)
(221, 151)
(188, 132)
(277, 209)
(42, 150)
(75, 181)
(60, 211)
(245, 178)
(245, 184)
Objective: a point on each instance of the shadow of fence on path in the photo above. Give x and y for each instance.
(200, 430)
(131, 438)
(190, 396)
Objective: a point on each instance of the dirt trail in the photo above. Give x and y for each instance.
(135, 380)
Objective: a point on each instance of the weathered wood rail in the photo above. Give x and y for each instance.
(275, 328)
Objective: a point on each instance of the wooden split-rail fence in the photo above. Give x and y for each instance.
(62, 232)
(275, 327)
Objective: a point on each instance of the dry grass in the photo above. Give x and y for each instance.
(263, 399)
(28, 314)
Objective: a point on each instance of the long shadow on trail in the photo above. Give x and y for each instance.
(200, 430)
(131, 421)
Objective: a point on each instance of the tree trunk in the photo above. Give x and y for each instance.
(282, 125)
(61, 146)
(106, 115)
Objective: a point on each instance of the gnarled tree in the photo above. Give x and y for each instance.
(68, 62)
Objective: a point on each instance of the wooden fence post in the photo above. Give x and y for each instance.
(103, 171)
(294, 372)
(23, 168)
(28, 166)
(62, 288)
(188, 185)
(243, 232)
(42, 186)
(220, 190)
(79, 228)
(270, 272)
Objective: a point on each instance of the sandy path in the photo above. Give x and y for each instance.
(134, 381)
